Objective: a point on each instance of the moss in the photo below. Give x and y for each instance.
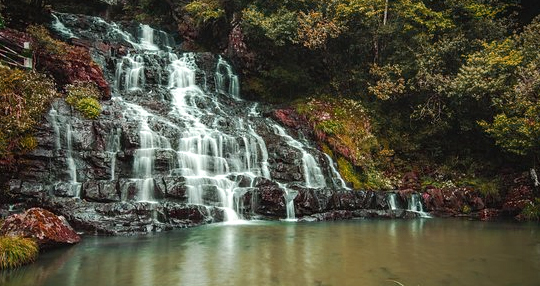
(83, 97)
(89, 107)
(326, 149)
(348, 173)
(16, 251)
(28, 143)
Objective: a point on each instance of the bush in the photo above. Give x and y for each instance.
(24, 98)
(84, 98)
(16, 251)
(532, 211)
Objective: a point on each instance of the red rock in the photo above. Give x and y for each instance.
(47, 228)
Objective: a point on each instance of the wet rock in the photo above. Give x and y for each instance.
(48, 229)
(128, 189)
(187, 215)
(328, 216)
(64, 189)
(343, 200)
(372, 213)
(175, 188)
(306, 202)
(269, 199)
(101, 191)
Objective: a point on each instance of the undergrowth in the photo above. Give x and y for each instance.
(17, 251)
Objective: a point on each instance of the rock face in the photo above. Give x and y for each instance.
(48, 229)
(174, 147)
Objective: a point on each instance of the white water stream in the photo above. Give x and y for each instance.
(215, 151)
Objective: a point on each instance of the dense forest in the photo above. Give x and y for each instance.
(446, 90)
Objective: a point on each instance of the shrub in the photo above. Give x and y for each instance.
(532, 210)
(43, 41)
(84, 98)
(205, 10)
(24, 97)
(16, 251)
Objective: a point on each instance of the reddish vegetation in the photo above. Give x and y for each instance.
(48, 229)
(75, 66)
(290, 118)
(72, 64)
(518, 197)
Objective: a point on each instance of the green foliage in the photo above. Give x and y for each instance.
(347, 172)
(84, 98)
(488, 72)
(329, 127)
(25, 96)
(344, 125)
(532, 210)
(389, 81)
(43, 40)
(205, 10)
(488, 187)
(280, 27)
(1, 21)
(17, 251)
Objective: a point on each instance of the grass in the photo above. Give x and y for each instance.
(17, 251)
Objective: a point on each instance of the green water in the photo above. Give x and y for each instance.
(360, 252)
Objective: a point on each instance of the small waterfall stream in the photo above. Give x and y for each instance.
(63, 129)
(414, 202)
(392, 201)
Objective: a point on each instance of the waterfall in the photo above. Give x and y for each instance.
(336, 176)
(226, 80)
(61, 29)
(113, 147)
(62, 128)
(176, 120)
(290, 195)
(147, 38)
(414, 202)
(313, 175)
(392, 201)
(130, 72)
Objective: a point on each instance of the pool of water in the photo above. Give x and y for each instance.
(358, 252)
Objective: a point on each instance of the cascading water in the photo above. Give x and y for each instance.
(337, 180)
(62, 127)
(414, 202)
(113, 147)
(61, 29)
(185, 130)
(226, 77)
(313, 175)
(392, 201)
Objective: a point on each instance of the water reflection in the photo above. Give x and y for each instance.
(366, 252)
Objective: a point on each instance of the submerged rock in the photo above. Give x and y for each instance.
(45, 227)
